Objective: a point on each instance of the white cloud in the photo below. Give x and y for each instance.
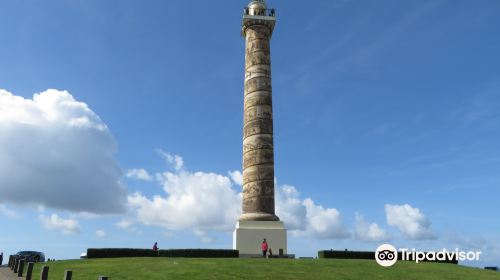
(174, 161)
(100, 233)
(128, 225)
(371, 232)
(409, 220)
(199, 200)
(139, 174)
(303, 217)
(86, 215)
(207, 201)
(66, 226)
(237, 177)
(56, 152)
(324, 223)
(124, 224)
(290, 208)
(5, 211)
(204, 237)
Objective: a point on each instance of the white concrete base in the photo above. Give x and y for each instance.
(248, 236)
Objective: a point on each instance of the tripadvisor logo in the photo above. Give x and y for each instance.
(386, 255)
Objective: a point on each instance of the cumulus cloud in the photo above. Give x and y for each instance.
(324, 223)
(237, 177)
(204, 237)
(192, 200)
(56, 152)
(174, 161)
(7, 212)
(409, 220)
(100, 233)
(204, 201)
(370, 232)
(290, 208)
(303, 217)
(138, 174)
(66, 226)
(124, 224)
(128, 225)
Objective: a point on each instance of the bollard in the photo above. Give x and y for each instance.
(281, 253)
(29, 271)
(10, 260)
(44, 274)
(16, 263)
(103, 277)
(20, 268)
(68, 274)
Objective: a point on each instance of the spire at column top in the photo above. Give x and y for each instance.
(261, 3)
(256, 13)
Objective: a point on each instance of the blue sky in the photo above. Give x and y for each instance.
(385, 113)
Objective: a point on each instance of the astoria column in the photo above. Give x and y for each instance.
(258, 147)
(258, 220)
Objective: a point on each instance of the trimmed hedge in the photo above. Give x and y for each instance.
(363, 255)
(331, 254)
(93, 253)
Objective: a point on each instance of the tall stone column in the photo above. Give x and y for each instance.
(258, 147)
(258, 220)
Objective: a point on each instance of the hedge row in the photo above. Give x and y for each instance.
(93, 253)
(332, 254)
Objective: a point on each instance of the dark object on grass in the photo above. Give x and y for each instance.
(364, 255)
(68, 274)
(332, 254)
(44, 274)
(20, 268)
(93, 253)
(494, 268)
(16, 264)
(29, 271)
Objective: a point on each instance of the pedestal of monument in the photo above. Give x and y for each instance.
(248, 236)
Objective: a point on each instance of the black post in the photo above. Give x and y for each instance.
(103, 277)
(20, 269)
(10, 260)
(281, 253)
(29, 271)
(68, 274)
(44, 274)
(16, 263)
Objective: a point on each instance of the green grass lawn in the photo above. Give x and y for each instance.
(178, 268)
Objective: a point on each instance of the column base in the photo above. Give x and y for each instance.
(248, 236)
(258, 217)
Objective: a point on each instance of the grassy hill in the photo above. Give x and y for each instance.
(166, 268)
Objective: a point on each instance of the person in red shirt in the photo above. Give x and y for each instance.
(264, 248)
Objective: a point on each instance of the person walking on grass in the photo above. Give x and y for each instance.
(264, 247)
(155, 248)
